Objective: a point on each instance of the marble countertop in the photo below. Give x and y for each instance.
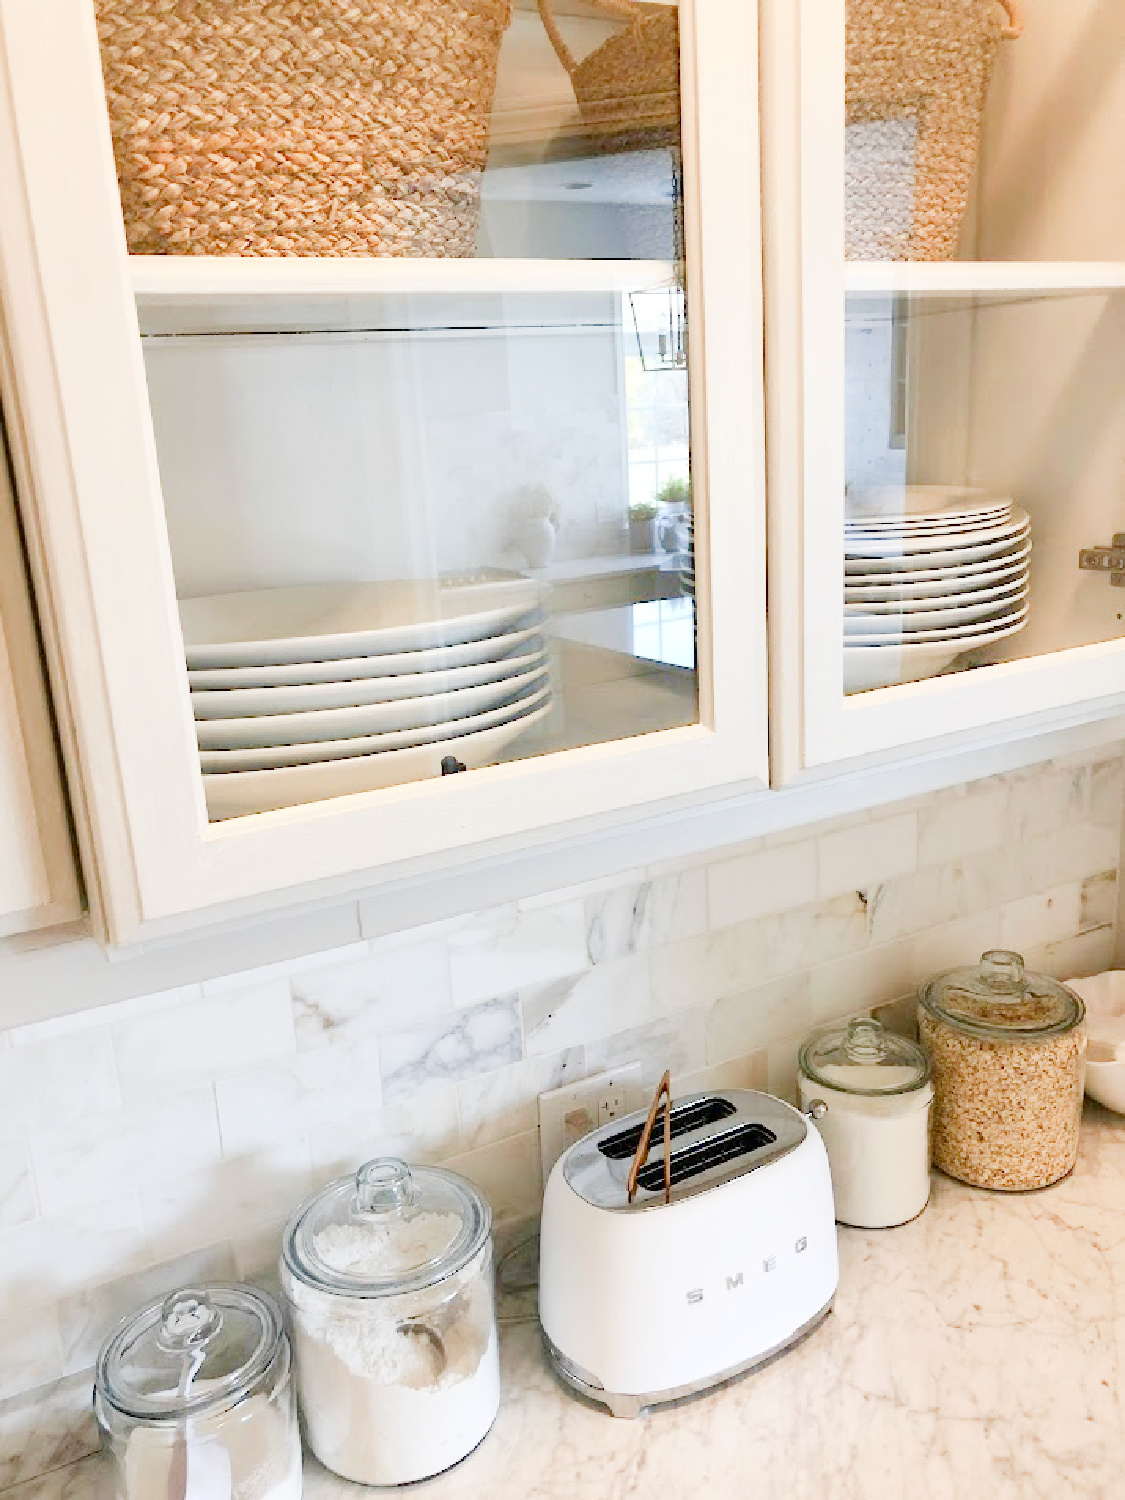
(976, 1352)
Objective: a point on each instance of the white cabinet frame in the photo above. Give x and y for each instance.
(814, 727)
(100, 544)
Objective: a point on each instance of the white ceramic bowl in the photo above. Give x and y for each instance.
(1105, 1082)
(1104, 998)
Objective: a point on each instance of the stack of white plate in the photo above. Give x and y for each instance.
(318, 691)
(687, 563)
(929, 573)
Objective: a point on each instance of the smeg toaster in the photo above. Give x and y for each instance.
(652, 1300)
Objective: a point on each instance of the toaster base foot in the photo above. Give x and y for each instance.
(622, 1404)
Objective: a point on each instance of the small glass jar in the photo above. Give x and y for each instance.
(876, 1124)
(194, 1396)
(1008, 1052)
(388, 1277)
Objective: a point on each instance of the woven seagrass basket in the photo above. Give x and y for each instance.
(628, 89)
(917, 77)
(300, 127)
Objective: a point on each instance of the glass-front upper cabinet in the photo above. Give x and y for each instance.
(392, 379)
(947, 262)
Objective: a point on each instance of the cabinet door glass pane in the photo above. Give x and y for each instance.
(984, 130)
(985, 445)
(429, 509)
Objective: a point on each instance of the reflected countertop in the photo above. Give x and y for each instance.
(976, 1352)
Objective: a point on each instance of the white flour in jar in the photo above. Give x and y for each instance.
(398, 1387)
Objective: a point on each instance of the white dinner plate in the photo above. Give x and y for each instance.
(404, 714)
(962, 608)
(962, 576)
(269, 758)
(238, 794)
(868, 667)
(908, 625)
(234, 703)
(967, 633)
(956, 558)
(969, 590)
(355, 668)
(956, 544)
(895, 504)
(324, 622)
(902, 535)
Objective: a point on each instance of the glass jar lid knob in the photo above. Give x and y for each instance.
(1002, 970)
(383, 1186)
(864, 1041)
(189, 1320)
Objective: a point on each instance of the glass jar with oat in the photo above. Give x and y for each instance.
(1008, 1054)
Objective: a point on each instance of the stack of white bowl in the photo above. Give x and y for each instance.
(929, 573)
(321, 690)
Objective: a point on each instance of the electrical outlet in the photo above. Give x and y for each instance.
(567, 1114)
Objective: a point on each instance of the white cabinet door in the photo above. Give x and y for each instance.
(946, 314)
(530, 425)
(38, 878)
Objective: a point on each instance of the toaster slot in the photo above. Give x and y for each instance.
(703, 1155)
(623, 1145)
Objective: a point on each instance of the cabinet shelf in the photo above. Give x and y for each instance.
(998, 276)
(159, 278)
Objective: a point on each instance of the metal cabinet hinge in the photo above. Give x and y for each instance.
(1109, 560)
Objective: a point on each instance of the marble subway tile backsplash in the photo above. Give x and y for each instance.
(167, 1139)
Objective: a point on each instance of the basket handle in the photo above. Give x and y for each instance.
(1015, 24)
(628, 10)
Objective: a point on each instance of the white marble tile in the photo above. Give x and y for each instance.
(781, 1067)
(1090, 952)
(108, 1154)
(424, 1128)
(284, 969)
(1043, 918)
(674, 1042)
(385, 987)
(645, 914)
(186, 1210)
(496, 1105)
(49, 1257)
(996, 876)
(257, 1252)
(913, 903)
(172, 1051)
(56, 1081)
(739, 1073)
(749, 1021)
(1099, 900)
(813, 935)
(29, 1348)
(1070, 853)
(856, 858)
(1105, 793)
(508, 1174)
(298, 1095)
(969, 821)
(582, 891)
(44, 1431)
(102, 1015)
(475, 1039)
(587, 1005)
(953, 946)
(88, 1316)
(503, 950)
(859, 982)
(756, 884)
(17, 1193)
(1045, 799)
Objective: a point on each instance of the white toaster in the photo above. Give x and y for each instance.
(650, 1301)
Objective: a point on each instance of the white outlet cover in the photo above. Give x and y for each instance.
(599, 1098)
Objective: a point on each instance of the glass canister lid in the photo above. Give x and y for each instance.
(998, 999)
(388, 1229)
(199, 1350)
(863, 1057)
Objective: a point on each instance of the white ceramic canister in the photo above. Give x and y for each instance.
(876, 1124)
(388, 1279)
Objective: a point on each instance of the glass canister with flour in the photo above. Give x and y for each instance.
(388, 1277)
(194, 1397)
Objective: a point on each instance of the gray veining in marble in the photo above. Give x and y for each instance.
(474, 1040)
(975, 1354)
